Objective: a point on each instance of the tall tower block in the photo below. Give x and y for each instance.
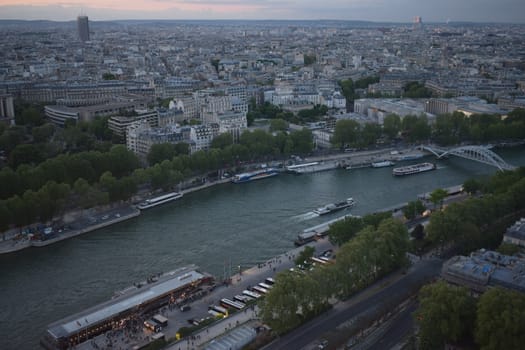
(83, 27)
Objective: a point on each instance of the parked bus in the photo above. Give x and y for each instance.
(215, 313)
(251, 294)
(230, 303)
(264, 285)
(319, 261)
(242, 298)
(152, 326)
(270, 281)
(328, 260)
(259, 289)
(219, 309)
(161, 320)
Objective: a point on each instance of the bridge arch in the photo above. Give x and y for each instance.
(476, 153)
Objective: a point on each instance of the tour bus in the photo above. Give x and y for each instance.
(242, 298)
(161, 320)
(251, 294)
(219, 309)
(260, 289)
(230, 303)
(152, 326)
(265, 286)
(215, 313)
(319, 261)
(270, 281)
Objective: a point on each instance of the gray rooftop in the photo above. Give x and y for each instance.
(234, 340)
(92, 316)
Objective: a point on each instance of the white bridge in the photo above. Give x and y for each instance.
(476, 153)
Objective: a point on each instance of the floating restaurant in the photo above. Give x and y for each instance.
(134, 301)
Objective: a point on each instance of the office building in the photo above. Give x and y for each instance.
(83, 27)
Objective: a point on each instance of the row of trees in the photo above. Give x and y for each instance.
(296, 297)
(479, 222)
(449, 314)
(448, 129)
(453, 128)
(270, 111)
(96, 178)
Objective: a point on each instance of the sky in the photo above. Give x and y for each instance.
(372, 10)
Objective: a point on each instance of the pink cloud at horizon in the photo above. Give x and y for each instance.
(143, 5)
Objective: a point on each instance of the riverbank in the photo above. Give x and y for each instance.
(94, 222)
(104, 219)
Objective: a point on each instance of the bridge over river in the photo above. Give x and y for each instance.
(480, 154)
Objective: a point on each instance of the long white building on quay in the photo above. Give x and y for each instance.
(134, 301)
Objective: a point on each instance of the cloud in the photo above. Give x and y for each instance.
(376, 10)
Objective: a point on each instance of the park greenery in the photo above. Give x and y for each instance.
(450, 315)
(377, 249)
(480, 221)
(39, 189)
(270, 111)
(79, 165)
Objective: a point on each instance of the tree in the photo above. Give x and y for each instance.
(508, 249)
(346, 133)
(30, 115)
(109, 76)
(161, 151)
(304, 255)
(471, 186)
(222, 141)
(182, 148)
(415, 89)
(278, 125)
(302, 141)
(293, 298)
(43, 133)
(342, 231)
(5, 216)
(25, 154)
(438, 196)
(500, 320)
(445, 314)
(413, 209)
(392, 126)
(309, 59)
(369, 134)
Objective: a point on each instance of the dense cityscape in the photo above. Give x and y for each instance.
(103, 120)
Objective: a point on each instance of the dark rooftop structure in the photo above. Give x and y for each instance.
(139, 298)
(485, 269)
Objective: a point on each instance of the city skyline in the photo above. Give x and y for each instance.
(512, 11)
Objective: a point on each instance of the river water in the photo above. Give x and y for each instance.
(218, 228)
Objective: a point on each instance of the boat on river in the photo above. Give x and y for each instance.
(382, 164)
(413, 169)
(333, 207)
(313, 167)
(254, 175)
(153, 202)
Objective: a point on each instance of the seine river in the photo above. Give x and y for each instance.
(222, 226)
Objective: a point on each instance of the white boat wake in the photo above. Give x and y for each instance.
(305, 216)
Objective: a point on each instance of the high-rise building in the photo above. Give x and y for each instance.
(418, 23)
(83, 27)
